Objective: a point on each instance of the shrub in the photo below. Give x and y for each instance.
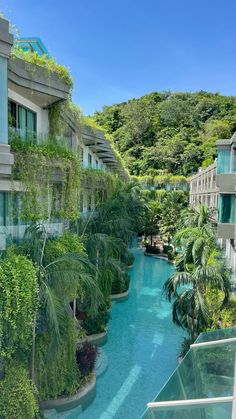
(167, 248)
(57, 372)
(228, 314)
(67, 243)
(171, 254)
(129, 259)
(49, 63)
(18, 304)
(97, 323)
(120, 285)
(86, 358)
(17, 398)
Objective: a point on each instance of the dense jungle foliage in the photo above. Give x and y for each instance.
(168, 131)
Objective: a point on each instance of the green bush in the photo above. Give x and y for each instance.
(167, 248)
(49, 63)
(120, 285)
(17, 396)
(67, 243)
(18, 304)
(228, 314)
(171, 254)
(97, 323)
(57, 372)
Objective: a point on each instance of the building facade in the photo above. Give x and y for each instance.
(215, 187)
(28, 93)
(203, 188)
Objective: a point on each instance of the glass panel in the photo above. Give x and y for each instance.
(219, 334)
(202, 411)
(31, 122)
(223, 161)
(204, 372)
(22, 121)
(226, 210)
(89, 160)
(12, 114)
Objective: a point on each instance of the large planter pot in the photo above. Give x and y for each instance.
(98, 338)
(120, 297)
(83, 398)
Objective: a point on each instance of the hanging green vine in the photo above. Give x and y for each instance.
(18, 305)
(57, 374)
(50, 175)
(94, 180)
(17, 395)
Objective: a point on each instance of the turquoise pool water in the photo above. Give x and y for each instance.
(142, 347)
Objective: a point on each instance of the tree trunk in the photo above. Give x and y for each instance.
(74, 308)
(33, 353)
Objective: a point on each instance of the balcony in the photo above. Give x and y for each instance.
(203, 385)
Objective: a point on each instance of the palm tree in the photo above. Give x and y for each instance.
(200, 266)
(60, 280)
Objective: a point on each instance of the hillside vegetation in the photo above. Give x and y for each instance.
(175, 132)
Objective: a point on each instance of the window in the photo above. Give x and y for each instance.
(226, 208)
(10, 205)
(223, 162)
(22, 119)
(82, 155)
(89, 160)
(96, 164)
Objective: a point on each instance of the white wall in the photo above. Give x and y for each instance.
(42, 114)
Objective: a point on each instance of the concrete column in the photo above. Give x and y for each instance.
(6, 41)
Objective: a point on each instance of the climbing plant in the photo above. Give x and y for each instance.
(18, 305)
(57, 372)
(17, 395)
(50, 174)
(95, 180)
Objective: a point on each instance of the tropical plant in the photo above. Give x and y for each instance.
(200, 266)
(19, 295)
(17, 395)
(60, 280)
(97, 323)
(86, 358)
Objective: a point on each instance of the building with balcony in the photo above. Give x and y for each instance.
(215, 187)
(203, 188)
(28, 94)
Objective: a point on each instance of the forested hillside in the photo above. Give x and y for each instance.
(168, 131)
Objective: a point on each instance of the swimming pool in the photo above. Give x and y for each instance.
(142, 347)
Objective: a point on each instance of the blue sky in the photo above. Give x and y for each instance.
(121, 49)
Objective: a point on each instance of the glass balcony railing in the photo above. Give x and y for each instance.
(223, 161)
(226, 208)
(202, 386)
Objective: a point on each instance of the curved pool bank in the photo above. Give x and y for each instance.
(142, 348)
